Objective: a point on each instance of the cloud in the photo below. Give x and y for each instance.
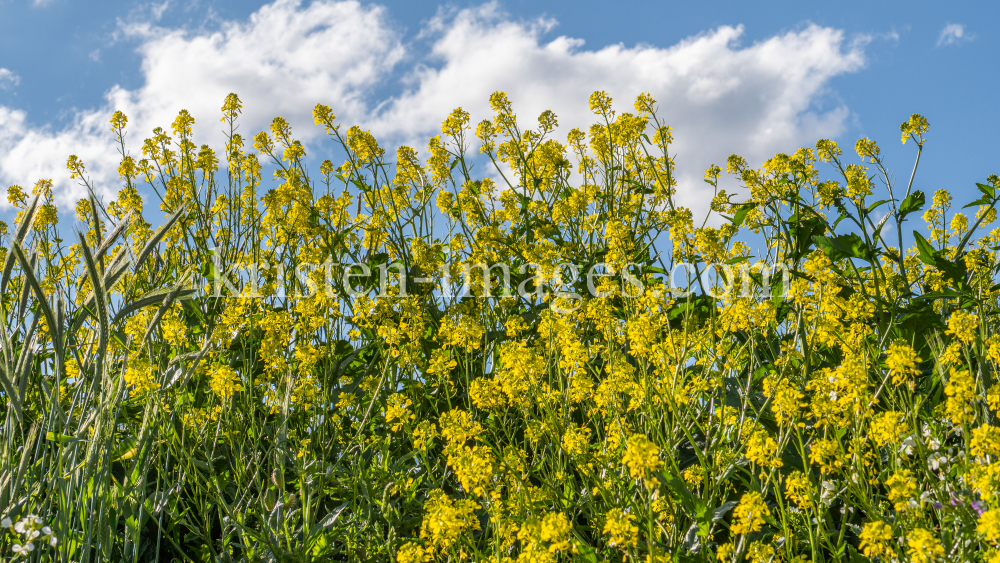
(720, 96)
(281, 61)
(953, 34)
(8, 79)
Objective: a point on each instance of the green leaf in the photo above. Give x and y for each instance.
(954, 270)
(872, 207)
(802, 232)
(586, 553)
(980, 201)
(927, 252)
(845, 246)
(913, 202)
(741, 213)
(720, 512)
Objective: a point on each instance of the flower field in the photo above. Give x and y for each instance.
(410, 359)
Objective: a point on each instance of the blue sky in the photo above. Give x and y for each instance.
(732, 76)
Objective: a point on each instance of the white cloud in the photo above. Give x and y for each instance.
(8, 79)
(954, 33)
(281, 61)
(721, 97)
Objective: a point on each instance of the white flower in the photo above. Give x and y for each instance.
(53, 541)
(46, 530)
(29, 546)
(935, 462)
(33, 534)
(18, 548)
(6, 523)
(934, 444)
(20, 527)
(828, 493)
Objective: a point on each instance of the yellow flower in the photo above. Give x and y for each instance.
(456, 123)
(866, 148)
(786, 400)
(827, 150)
(600, 102)
(304, 448)
(748, 517)
(760, 553)
(798, 489)
(859, 184)
(412, 552)
(397, 411)
(887, 427)
(989, 525)
(902, 362)
(16, 196)
(875, 540)
(556, 530)
(725, 552)
(694, 475)
(457, 426)
(224, 382)
(619, 529)
(763, 450)
(424, 434)
(173, 327)
(576, 440)
(139, 376)
(473, 467)
(923, 546)
(642, 458)
(446, 520)
(914, 128)
(961, 392)
(487, 394)
(902, 487)
(985, 441)
(824, 453)
(963, 325)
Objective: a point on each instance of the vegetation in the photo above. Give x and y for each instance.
(214, 390)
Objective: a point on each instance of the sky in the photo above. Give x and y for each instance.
(730, 77)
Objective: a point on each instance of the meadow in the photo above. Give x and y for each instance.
(397, 359)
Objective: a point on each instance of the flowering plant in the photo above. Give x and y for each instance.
(402, 360)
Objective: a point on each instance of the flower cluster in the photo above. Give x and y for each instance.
(28, 532)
